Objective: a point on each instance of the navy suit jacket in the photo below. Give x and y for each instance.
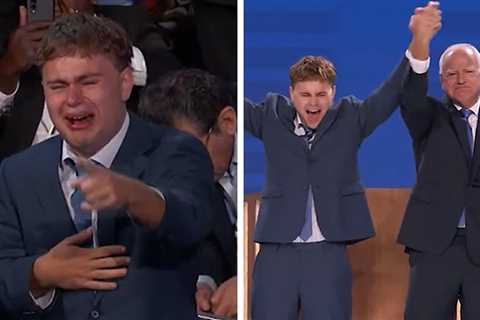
(34, 218)
(217, 254)
(330, 167)
(448, 177)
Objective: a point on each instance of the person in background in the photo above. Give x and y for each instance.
(201, 104)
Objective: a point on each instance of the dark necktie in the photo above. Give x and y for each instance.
(306, 232)
(229, 205)
(466, 113)
(81, 218)
(309, 134)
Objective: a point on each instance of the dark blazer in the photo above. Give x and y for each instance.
(330, 167)
(218, 252)
(216, 255)
(34, 218)
(448, 179)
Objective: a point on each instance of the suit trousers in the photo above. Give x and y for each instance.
(438, 281)
(314, 279)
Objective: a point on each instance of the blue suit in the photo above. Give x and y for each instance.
(330, 168)
(34, 218)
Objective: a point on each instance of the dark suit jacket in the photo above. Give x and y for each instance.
(216, 255)
(448, 179)
(218, 252)
(34, 218)
(330, 167)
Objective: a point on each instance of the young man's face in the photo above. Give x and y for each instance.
(86, 99)
(311, 99)
(461, 77)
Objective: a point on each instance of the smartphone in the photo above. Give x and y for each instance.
(40, 10)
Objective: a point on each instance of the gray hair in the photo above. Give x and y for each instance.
(454, 47)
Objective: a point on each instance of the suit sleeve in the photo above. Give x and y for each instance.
(255, 115)
(416, 108)
(383, 101)
(183, 173)
(15, 264)
(209, 262)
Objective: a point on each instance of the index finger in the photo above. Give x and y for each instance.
(435, 4)
(22, 13)
(80, 237)
(217, 296)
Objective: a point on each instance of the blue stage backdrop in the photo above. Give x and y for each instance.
(365, 40)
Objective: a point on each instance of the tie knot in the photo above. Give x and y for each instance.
(466, 113)
(308, 131)
(78, 170)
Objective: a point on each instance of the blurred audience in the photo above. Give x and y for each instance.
(201, 104)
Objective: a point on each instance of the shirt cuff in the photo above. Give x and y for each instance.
(139, 67)
(203, 278)
(7, 99)
(418, 66)
(43, 301)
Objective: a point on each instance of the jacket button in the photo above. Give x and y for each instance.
(95, 314)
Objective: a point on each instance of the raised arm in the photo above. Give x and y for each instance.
(417, 109)
(383, 101)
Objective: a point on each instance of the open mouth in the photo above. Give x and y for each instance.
(314, 112)
(80, 121)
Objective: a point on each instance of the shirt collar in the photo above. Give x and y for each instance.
(232, 169)
(298, 126)
(105, 155)
(474, 108)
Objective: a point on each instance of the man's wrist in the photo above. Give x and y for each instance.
(38, 284)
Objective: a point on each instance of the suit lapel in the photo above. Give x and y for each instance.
(460, 129)
(325, 124)
(223, 228)
(50, 192)
(286, 113)
(476, 152)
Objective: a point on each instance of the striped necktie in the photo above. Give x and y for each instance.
(309, 134)
(81, 218)
(466, 113)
